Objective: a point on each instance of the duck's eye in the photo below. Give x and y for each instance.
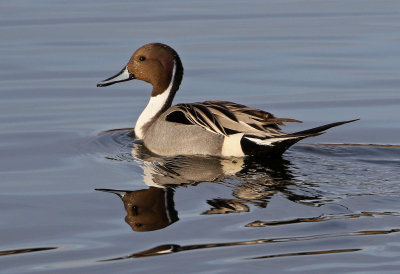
(142, 58)
(134, 210)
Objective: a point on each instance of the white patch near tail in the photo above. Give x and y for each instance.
(269, 141)
(231, 145)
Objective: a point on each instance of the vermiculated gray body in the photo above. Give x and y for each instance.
(181, 139)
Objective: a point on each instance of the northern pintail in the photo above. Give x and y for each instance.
(218, 128)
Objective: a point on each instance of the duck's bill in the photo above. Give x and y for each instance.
(121, 76)
(120, 193)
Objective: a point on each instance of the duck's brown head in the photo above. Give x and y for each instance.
(155, 63)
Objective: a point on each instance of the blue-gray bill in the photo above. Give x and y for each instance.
(121, 76)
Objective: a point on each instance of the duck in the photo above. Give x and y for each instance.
(213, 128)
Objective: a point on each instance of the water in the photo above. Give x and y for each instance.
(321, 208)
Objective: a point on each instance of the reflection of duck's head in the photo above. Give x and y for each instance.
(148, 209)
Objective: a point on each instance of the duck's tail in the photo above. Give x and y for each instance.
(277, 145)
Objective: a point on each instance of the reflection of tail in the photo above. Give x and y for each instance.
(225, 206)
(276, 145)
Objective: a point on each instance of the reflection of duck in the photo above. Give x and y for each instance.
(148, 209)
(217, 128)
(253, 182)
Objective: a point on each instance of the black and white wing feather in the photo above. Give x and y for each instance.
(227, 118)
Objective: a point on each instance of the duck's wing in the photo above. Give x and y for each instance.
(196, 114)
(227, 118)
(251, 117)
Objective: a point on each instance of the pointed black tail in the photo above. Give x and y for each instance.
(283, 142)
(322, 128)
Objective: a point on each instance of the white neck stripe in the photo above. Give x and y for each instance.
(154, 105)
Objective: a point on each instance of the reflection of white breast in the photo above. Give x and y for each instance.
(161, 171)
(149, 174)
